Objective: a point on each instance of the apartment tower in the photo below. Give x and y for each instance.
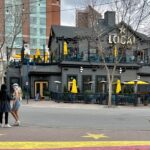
(37, 17)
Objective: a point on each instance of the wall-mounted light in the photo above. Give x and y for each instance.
(120, 70)
(81, 69)
(138, 77)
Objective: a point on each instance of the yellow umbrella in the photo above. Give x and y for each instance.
(74, 86)
(65, 48)
(115, 52)
(136, 82)
(118, 86)
(46, 56)
(37, 53)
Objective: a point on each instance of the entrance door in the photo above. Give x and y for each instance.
(41, 87)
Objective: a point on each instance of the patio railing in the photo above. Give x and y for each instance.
(100, 98)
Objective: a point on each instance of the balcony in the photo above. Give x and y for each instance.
(98, 59)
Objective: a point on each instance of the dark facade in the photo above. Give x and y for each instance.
(82, 60)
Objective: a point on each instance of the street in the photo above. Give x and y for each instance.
(63, 122)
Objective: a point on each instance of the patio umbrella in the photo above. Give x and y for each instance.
(37, 53)
(136, 82)
(118, 86)
(74, 87)
(46, 56)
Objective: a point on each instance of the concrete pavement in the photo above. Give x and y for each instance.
(53, 104)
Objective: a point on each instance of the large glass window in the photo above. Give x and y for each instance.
(87, 83)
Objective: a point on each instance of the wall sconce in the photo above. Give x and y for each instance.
(138, 77)
(120, 70)
(81, 69)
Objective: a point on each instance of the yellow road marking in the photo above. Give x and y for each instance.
(95, 136)
(32, 145)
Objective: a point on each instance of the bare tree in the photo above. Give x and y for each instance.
(13, 17)
(130, 14)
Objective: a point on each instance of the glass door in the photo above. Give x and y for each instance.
(41, 87)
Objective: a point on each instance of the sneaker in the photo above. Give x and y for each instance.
(7, 126)
(1, 125)
(17, 123)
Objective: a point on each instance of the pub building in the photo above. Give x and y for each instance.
(73, 56)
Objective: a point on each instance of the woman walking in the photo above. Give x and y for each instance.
(17, 96)
(4, 106)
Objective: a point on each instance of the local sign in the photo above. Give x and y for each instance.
(122, 38)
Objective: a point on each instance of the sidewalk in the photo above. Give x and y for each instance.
(53, 104)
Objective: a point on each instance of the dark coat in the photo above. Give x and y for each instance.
(4, 101)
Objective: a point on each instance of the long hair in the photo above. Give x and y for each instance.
(3, 87)
(3, 92)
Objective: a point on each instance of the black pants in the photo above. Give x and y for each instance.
(6, 117)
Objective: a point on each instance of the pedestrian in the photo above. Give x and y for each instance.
(37, 96)
(5, 107)
(17, 97)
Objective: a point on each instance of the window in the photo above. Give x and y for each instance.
(42, 31)
(87, 83)
(101, 84)
(33, 42)
(33, 9)
(33, 31)
(42, 9)
(42, 21)
(33, 20)
(42, 42)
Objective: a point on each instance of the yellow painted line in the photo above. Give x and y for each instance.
(44, 145)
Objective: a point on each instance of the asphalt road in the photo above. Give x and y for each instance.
(73, 122)
(50, 121)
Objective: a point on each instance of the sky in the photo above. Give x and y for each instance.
(68, 12)
(69, 7)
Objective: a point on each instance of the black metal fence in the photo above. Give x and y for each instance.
(100, 98)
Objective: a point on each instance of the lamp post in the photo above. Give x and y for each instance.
(27, 82)
(57, 85)
(103, 86)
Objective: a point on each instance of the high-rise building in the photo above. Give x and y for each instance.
(36, 17)
(87, 17)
